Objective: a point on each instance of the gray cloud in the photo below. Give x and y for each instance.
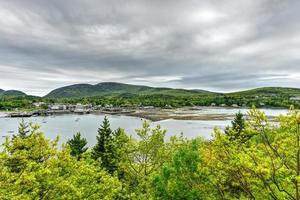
(215, 44)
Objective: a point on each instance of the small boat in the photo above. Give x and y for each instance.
(77, 119)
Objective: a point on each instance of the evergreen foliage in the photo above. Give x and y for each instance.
(236, 131)
(23, 130)
(105, 148)
(77, 145)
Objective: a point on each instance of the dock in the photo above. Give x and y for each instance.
(13, 115)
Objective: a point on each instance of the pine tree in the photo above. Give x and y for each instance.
(104, 149)
(238, 124)
(77, 145)
(235, 132)
(121, 142)
(23, 130)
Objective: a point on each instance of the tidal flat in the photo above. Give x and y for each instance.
(198, 113)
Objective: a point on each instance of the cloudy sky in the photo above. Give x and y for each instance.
(218, 45)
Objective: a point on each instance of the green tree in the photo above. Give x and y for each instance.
(23, 129)
(238, 124)
(267, 166)
(15, 164)
(77, 145)
(120, 142)
(105, 148)
(143, 159)
(236, 130)
(183, 177)
(48, 172)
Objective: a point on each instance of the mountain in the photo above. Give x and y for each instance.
(11, 93)
(127, 90)
(119, 89)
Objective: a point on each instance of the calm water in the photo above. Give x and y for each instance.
(65, 126)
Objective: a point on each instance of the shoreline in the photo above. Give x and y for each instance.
(203, 113)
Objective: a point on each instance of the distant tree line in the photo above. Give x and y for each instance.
(157, 100)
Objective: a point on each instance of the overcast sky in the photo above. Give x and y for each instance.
(218, 45)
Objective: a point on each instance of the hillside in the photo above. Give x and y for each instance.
(126, 95)
(120, 89)
(11, 93)
(117, 89)
(269, 91)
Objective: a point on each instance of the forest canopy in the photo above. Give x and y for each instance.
(253, 158)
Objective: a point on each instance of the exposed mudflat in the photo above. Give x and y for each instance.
(197, 113)
(186, 113)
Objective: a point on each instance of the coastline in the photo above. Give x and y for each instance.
(203, 113)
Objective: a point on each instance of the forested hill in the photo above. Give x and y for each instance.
(11, 93)
(120, 89)
(269, 91)
(111, 88)
(125, 95)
